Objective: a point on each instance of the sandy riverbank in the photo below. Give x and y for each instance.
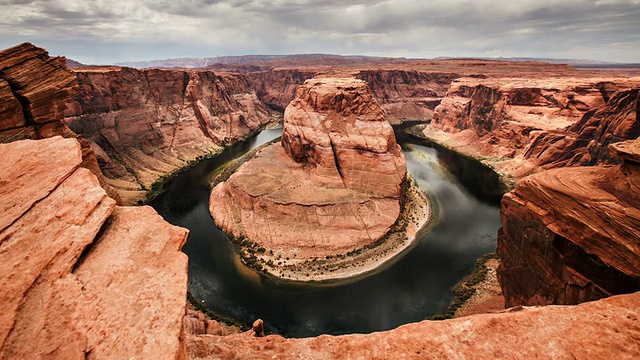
(401, 238)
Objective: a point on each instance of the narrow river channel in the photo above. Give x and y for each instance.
(416, 286)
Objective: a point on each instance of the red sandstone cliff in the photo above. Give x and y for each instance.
(522, 125)
(34, 89)
(80, 277)
(573, 234)
(407, 95)
(145, 124)
(333, 185)
(277, 87)
(586, 142)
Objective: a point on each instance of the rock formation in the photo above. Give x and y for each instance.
(521, 125)
(145, 124)
(333, 185)
(573, 234)
(605, 329)
(34, 89)
(81, 277)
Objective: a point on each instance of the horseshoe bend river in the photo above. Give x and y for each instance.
(414, 286)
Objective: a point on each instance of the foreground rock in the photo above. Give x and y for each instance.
(334, 184)
(34, 90)
(605, 329)
(572, 235)
(146, 124)
(81, 277)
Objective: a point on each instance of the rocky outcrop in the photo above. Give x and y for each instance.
(603, 329)
(407, 95)
(82, 277)
(145, 124)
(523, 125)
(333, 185)
(34, 90)
(573, 234)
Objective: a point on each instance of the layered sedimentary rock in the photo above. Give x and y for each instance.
(586, 142)
(34, 90)
(407, 95)
(144, 124)
(605, 329)
(81, 277)
(277, 87)
(573, 234)
(522, 125)
(334, 184)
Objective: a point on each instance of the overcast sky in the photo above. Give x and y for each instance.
(108, 31)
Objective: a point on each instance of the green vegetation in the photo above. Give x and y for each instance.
(465, 289)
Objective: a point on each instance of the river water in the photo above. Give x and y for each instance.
(416, 286)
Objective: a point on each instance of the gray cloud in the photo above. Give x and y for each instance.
(102, 31)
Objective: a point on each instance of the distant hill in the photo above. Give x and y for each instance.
(73, 64)
(279, 60)
(577, 63)
(249, 63)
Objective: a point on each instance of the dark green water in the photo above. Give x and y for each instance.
(413, 288)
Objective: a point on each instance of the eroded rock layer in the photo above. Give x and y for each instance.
(81, 277)
(34, 90)
(523, 125)
(145, 124)
(407, 95)
(603, 329)
(334, 184)
(573, 234)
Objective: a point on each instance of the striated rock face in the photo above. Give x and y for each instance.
(336, 126)
(603, 329)
(144, 124)
(34, 89)
(407, 95)
(572, 235)
(333, 185)
(278, 87)
(586, 142)
(80, 276)
(538, 123)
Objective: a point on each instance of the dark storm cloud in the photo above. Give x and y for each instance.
(144, 29)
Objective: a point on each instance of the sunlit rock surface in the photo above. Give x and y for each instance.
(79, 276)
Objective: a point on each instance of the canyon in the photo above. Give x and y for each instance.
(84, 277)
(146, 124)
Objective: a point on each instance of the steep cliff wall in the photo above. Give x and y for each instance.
(80, 277)
(573, 234)
(145, 124)
(277, 87)
(34, 90)
(523, 125)
(407, 95)
(586, 142)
